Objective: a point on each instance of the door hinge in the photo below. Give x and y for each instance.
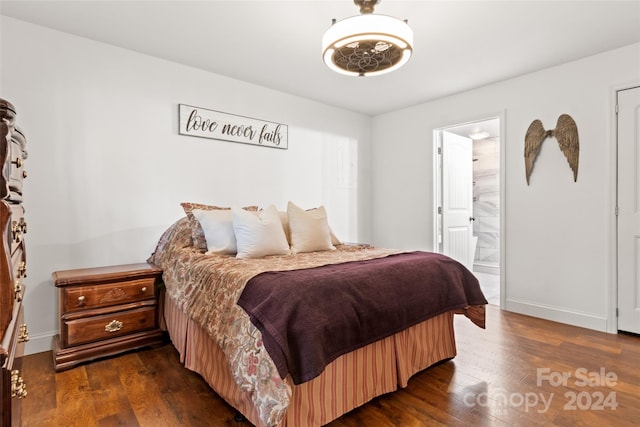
(439, 150)
(439, 210)
(617, 108)
(617, 312)
(617, 211)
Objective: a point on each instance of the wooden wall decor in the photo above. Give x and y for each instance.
(566, 133)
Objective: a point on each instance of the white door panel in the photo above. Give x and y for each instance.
(629, 210)
(457, 197)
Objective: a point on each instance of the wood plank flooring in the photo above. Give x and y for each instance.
(520, 371)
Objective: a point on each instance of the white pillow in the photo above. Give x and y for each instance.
(321, 211)
(259, 235)
(309, 230)
(284, 218)
(218, 230)
(285, 224)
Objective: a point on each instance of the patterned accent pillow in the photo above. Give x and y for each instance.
(177, 236)
(197, 234)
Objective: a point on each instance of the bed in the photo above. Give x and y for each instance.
(266, 327)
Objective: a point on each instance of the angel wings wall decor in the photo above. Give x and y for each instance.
(566, 133)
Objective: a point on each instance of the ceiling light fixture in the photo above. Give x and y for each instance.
(479, 135)
(367, 44)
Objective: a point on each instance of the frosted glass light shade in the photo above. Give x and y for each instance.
(367, 45)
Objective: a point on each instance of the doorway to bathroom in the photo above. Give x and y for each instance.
(468, 193)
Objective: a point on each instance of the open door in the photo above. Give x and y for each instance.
(457, 198)
(628, 210)
(468, 195)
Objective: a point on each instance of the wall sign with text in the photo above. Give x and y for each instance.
(196, 121)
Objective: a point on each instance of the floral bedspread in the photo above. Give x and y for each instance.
(207, 288)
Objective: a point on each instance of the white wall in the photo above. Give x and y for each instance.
(107, 168)
(558, 234)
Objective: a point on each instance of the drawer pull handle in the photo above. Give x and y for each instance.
(144, 289)
(23, 334)
(17, 162)
(16, 231)
(18, 387)
(22, 269)
(113, 326)
(24, 173)
(22, 225)
(18, 289)
(81, 299)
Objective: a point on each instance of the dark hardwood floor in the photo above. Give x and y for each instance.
(519, 371)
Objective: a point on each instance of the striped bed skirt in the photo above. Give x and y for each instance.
(347, 383)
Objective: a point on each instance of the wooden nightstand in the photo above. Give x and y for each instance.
(105, 311)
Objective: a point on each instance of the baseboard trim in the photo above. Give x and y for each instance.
(486, 268)
(39, 343)
(557, 314)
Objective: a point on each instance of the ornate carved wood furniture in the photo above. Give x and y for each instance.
(105, 311)
(13, 268)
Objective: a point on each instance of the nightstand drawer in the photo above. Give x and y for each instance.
(96, 328)
(105, 295)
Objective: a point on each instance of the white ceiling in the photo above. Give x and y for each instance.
(459, 45)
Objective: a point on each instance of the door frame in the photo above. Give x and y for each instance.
(612, 217)
(437, 188)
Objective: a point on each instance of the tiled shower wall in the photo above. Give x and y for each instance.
(486, 202)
